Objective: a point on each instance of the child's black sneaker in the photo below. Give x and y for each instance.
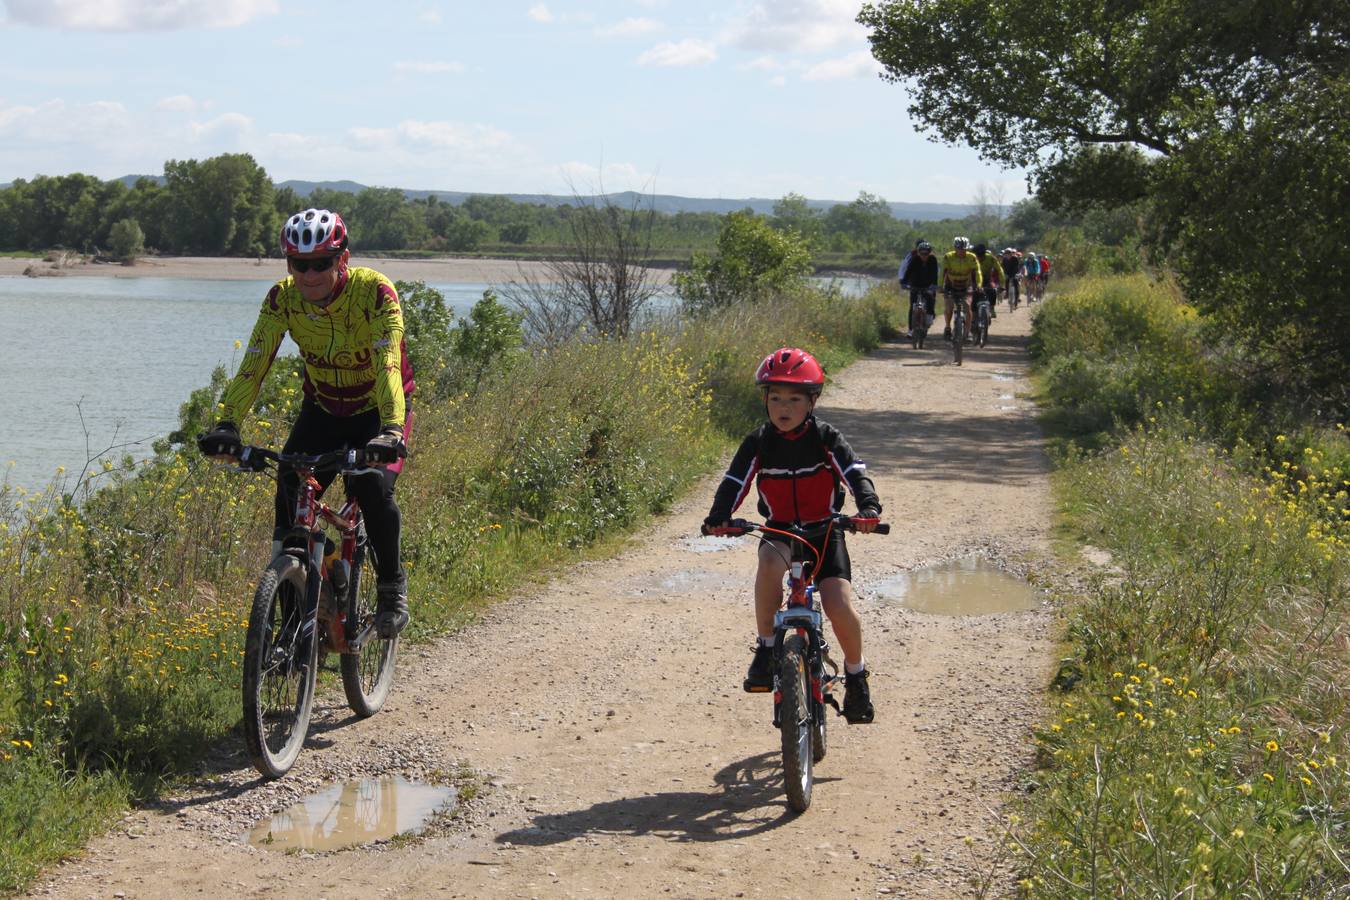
(759, 678)
(857, 699)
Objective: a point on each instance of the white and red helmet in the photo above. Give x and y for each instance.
(313, 231)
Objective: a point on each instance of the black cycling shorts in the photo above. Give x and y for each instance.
(834, 561)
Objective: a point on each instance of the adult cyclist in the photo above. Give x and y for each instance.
(1031, 269)
(991, 276)
(348, 325)
(1012, 274)
(960, 275)
(921, 278)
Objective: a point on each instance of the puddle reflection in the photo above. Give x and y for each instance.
(970, 586)
(357, 812)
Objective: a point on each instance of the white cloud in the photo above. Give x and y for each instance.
(223, 126)
(540, 13)
(688, 52)
(137, 15)
(799, 26)
(57, 122)
(858, 64)
(429, 17)
(631, 27)
(412, 134)
(778, 81)
(585, 179)
(178, 103)
(428, 68)
(761, 64)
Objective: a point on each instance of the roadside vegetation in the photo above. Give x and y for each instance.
(1197, 743)
(1197, 747)
(123, 593)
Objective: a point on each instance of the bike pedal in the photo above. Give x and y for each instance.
(757, 689)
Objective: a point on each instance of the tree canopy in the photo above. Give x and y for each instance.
(1222, 127)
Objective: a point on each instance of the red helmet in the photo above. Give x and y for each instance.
(793, 368)
(313, 231)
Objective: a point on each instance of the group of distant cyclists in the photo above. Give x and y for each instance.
(968, 272)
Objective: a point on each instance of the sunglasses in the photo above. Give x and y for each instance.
(319, 264)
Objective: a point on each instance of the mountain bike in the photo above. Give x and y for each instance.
(957, 299)
(802, 687)
(918, 316)
(316, 597)
(980, 328)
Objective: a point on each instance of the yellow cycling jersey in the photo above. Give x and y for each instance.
(991, 270)
(960, 271)
(353, 349)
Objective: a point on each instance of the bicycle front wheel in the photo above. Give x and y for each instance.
(279, 669)
(958, 340)
(368, 674)
(795, 715)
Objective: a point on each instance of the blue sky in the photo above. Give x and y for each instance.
(708, 99)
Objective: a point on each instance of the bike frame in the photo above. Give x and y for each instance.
(309, 514)
(803, 615)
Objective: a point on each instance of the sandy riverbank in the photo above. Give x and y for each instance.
(433, 271)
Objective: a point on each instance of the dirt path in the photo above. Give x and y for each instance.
(603, 711)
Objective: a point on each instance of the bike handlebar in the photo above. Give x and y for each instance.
(737, 527)
(354, 461)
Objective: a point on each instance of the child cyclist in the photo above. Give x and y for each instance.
(800, 466)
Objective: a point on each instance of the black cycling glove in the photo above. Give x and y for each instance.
(222, 440)
(387, 446)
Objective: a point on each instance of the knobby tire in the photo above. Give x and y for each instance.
(795, 715)
(818, 729)
(279, 669)
(367, 676)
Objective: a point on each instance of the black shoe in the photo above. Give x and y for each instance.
(391, 607)
(857, 699)
(759, 677)
(947, 333)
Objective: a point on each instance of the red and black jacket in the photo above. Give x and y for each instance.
(801, 476)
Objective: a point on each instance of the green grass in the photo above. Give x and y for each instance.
(122, 617)
(1199, 748)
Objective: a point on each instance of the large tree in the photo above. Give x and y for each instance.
(222, 205)
(1035, 83)
(1225, 123)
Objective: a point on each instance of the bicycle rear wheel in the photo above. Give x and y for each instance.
(795, 715)
(367, 675)
(279, 669)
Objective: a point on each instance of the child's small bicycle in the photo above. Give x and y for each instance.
(802, 688)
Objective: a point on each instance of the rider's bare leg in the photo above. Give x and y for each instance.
(773, 556)
(836, 597)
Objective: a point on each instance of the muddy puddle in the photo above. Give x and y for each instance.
(353, 813)
(969, 586)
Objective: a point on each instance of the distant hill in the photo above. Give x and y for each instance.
(667, 203)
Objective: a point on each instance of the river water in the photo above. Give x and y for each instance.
(92, 363)
(96, 363)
